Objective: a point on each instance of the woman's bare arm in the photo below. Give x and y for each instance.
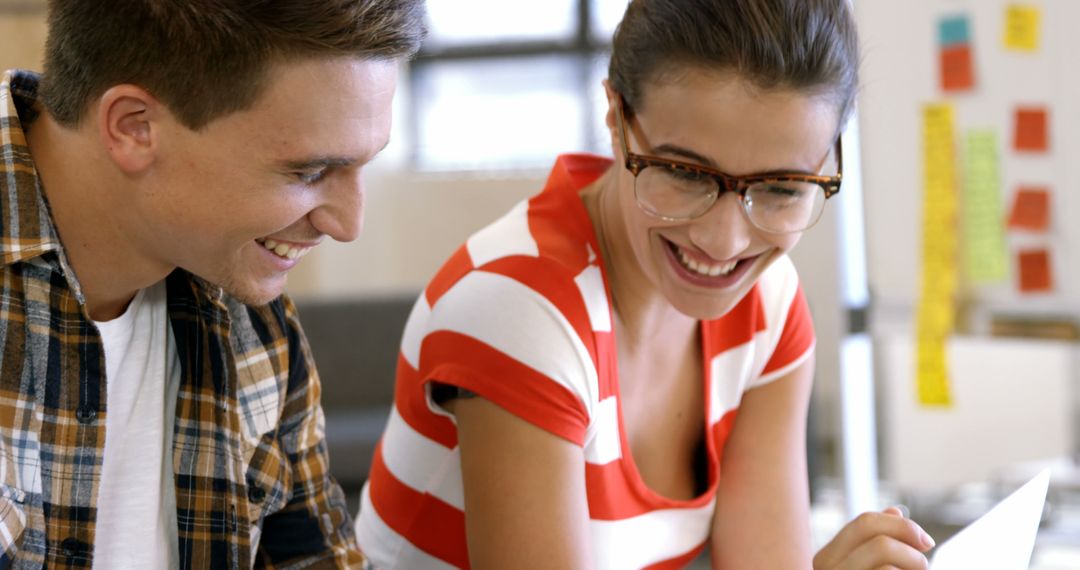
(763, 507)
(525, 500)
(762, 516)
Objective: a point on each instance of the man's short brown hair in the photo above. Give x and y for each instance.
(208, 58)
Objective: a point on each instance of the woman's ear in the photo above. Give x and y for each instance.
(129, 124)
(611, 118)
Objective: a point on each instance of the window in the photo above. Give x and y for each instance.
(509, 85)
(478, 22)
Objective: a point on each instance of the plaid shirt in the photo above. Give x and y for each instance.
(252, 485)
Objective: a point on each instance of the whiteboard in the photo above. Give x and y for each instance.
(900, 74)
(1012, 403)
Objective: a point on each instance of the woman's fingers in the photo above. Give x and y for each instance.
(897, 510)
(890, 523)
(885, 551)
(874, 540)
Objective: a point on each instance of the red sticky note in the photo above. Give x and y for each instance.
(1031, 209)
(1035, 276)
(1031, 129)
(956, 68)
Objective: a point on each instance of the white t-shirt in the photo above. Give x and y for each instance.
(136, 506)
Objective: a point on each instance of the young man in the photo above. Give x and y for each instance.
(158, 405)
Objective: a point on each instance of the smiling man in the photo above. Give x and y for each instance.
(158, 404)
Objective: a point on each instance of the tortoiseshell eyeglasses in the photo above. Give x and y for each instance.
(778, 202)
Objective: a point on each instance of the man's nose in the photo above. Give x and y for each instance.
(341, 215)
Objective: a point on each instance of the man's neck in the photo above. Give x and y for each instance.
(91, 217)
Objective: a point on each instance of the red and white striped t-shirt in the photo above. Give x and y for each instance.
(520, 316)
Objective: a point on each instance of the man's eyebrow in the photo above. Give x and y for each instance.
(318, 163)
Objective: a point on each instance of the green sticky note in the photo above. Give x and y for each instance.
(985, 254)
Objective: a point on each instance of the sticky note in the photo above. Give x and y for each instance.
(1031, 209)
(956, 68)
(1035, 274)
(986, 258)
(953, 30)
(1022, 22)
(1030, 131)
(937, 305)
(933, 384)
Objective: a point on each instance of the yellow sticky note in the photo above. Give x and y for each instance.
(1022, 23)
(986, 257)
(937, 309)
(933, 387)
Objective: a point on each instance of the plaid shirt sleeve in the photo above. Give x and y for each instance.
(314, 528)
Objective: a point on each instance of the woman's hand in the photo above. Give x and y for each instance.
(877, 540)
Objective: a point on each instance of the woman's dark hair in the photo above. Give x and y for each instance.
(800, 45)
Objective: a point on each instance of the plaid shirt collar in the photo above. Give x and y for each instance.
(25, 214)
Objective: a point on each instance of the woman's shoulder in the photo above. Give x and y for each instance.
(512, 298)
(552, 227)
(521, 276)
(538, 240)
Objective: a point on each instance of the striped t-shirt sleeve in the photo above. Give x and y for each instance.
(790, 323)
(503, 340)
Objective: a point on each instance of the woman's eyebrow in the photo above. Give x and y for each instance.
(685, 154)
(691, 156)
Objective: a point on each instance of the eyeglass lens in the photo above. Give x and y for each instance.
(774, 206)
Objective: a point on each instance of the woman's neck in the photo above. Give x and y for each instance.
(642, 313)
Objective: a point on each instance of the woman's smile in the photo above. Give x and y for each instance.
(700, 271)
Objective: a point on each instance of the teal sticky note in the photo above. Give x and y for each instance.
(953, 30)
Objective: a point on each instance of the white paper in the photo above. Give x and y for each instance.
(1001, 539)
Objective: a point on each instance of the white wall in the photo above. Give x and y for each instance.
(900, 74)
(22, 38)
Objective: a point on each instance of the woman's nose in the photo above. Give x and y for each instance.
(723, 232)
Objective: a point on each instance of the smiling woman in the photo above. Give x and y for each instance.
(616, 373)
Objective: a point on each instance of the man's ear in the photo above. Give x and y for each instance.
(129, 125)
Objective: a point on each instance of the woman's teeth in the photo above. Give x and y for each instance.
(284, 250)
(714, 270)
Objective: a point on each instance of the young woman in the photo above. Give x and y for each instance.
(616, 373)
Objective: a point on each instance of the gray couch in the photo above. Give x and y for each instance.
(355, 344)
